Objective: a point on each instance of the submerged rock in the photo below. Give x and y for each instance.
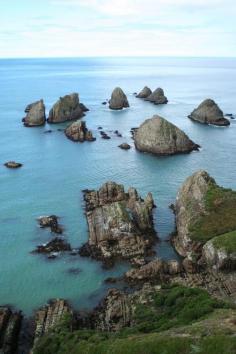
(157, 97)
(208, 112)
(66, 108)
(146, 92)
(51, 222)
(118, 100)
(13, 164)
(56, 245)
(35, 114)
(120, 224)
(125, 146)
(78, 131)
(10, 324)
(158, 136)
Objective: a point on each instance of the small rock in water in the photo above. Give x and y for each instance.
(99, 128)
(13, 164)
(124, 146)
(53, 247)
(74, 271)
(48, 131)
(51, 222)
(104, 103)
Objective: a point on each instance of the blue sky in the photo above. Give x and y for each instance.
(67, 28)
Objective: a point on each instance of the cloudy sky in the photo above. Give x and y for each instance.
(67, 28)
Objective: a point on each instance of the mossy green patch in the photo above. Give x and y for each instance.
(227, 242)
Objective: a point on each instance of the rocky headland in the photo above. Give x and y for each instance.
(208, 112)
(78, 132)
(118, 99)
(158, 136)
(36, 115)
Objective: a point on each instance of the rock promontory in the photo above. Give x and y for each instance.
(157, 97)
(120, 224)
(158, 136)
(78, 131)
(208, 112)
(67, 108)
(118, 99)
(144, 93)
(36, 115)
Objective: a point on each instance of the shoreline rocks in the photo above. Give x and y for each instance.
(67, 108)
(144, 93)
(118, 99)
(13, 164)
(120, 224)
(157, 97)
(36, 115)
(160, 137)
(78, 132)
(50, 222)
(53, 247)
(208, 112)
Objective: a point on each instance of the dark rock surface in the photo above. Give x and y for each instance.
(78, 131)
(208, 112)
(51, 222)
(13, 164)
(54, 246)
(125, 146)
(118, 100)
(10, 323)
(145, 93)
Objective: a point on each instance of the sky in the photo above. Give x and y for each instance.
(83, 28)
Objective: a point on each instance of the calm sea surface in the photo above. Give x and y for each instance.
(56, 170)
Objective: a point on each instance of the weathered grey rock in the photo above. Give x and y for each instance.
(51, 222)
(157, 97)
(78, 131)
(35, 114)
(124, 146)
(118, 99)
(66, 108)
(158, 136)
(13, 164)
(146, 92)
(10, 323)
(208, 112)
(120, 224)
(54, 246)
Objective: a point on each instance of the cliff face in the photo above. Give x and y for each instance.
(158, 136)
(208, 112)
(120, 224)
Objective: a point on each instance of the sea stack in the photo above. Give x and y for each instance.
(208, 112)
(118, 100)
(158, 136)
(67, 108)
(146, 92)
(78, 131)
(35, 114)
(157, 97)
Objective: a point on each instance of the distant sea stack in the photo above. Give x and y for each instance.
(35, 114)
(208, 112)
(157, 97)
(145, 93)
(67, 108)
(78, 131)
(158, 136)
(118, 100)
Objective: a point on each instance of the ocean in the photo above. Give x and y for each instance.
(56, 170)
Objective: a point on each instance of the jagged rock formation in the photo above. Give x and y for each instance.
(35, 114)
(10, 323)
(13, 164)
(67, 108)
(146, 92)
(203, 211)
(120, 224)
(54, 246)
(208, 112)
(158, 136)
(118, 99)
(50, 222)
(157, 97)
(49, 316)
(78, 131)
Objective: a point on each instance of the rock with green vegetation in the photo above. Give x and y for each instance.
(66, 108)
(203, 211)
(35, 114)
(78, 131)
(157, 97)
(146, 92)
(120, 224)
(158, 136)
(118, 99)
(208, 112)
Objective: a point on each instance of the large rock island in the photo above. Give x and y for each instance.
(120, 224)
(35, 114)
(208, 112)
(158, 136)
(118, 99)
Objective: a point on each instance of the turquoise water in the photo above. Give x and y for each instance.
(56, 170)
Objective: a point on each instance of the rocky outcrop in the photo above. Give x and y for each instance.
(157, 97)
(35, 114)
(49, 316)
(118, 99)
(66, 108)
(120, 224)
(10, 323)
(158, 136)
(203, 211)
(53, 247)
(208, 112)
(50, 222)
(78, 131)
(124, 146)
(146, 92)
(13, 164)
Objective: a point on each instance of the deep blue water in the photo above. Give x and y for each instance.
(56, 170)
